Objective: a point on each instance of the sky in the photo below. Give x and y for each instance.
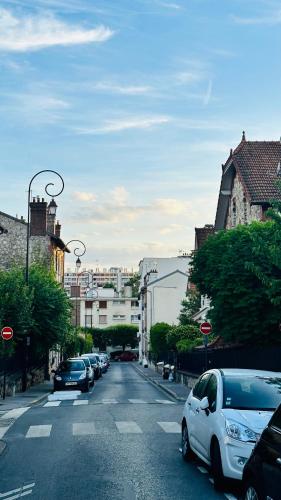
(136, 104)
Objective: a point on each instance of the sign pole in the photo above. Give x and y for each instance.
(4, 381)
(206, 351)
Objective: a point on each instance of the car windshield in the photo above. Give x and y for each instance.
(251, 392)
(87, 362)
(72, 366)
(92, 359)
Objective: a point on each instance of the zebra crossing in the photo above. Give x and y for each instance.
(108, 401)
(92, 428)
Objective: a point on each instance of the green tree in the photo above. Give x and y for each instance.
(158, 337)
(16, 306)
(51, 311)
(134, 282)
(123, 335)
(190, 306)
(109, 284)
(183, 337)
(101, 338)
(228, 268)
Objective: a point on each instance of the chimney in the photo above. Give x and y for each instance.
(38, 217)
(57, 229)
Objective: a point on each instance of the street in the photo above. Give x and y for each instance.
(119, 441)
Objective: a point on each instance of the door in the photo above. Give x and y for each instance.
(205, 419)
(271, 456)
(193, 410)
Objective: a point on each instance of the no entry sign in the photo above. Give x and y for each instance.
(205, 328)
(7, 333)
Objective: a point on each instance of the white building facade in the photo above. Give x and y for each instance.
(163, 286)
(97, 277)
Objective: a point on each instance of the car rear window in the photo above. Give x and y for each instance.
(72, 366)
(251, 392)
(87, 362)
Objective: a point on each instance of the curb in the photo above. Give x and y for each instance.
(40, 398)
(160, 386)
(2, 446)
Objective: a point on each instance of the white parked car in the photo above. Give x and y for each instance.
(225, 414)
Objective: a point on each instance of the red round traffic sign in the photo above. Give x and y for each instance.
(205, 328)
(7, 333)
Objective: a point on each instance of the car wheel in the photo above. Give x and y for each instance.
(216, 465)
(185, 445)
(251, 491)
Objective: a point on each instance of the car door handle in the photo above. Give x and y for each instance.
(278, 461)
(189, 404)
(197, 410)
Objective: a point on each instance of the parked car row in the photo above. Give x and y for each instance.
(80, 372)
(229, 423)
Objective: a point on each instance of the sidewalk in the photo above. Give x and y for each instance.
(174, 389)
(30, 397)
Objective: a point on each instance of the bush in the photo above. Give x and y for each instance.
(158, 340)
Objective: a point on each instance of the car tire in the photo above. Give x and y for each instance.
(186, 451)
(216, 466)
(251, 491)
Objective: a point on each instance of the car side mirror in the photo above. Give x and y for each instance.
(204, 403)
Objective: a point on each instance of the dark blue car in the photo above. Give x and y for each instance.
(71, 374)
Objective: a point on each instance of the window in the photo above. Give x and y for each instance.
(103, 304)
(102, 319)
(211, 393)
(88, 320)
(245, 214)
(251, 393)
(88, 304)
(199, 388)
(118, 317)
(134, 303)
(134, 318)
(234, 212)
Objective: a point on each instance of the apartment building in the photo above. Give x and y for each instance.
(97, 277)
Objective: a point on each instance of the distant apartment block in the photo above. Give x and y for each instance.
(94, 278)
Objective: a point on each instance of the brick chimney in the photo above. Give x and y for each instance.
(38, 217)
(57, 229)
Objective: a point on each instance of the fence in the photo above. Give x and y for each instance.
(260, 358)
(20, 371)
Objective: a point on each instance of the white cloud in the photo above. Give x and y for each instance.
(122, 89)
(186, 77)
(118, 125)
(20, 34)
(120, 196)
(83, 196)
(171, 228)
(169, 5)
(170, 206)
(270, 19)
(208, 94)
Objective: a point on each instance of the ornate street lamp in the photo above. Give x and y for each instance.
(52, 208)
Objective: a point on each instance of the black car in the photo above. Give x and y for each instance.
(95, 364)
(262, 472)
(71, 374)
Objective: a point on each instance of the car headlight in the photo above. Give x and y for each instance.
(57, 377)
(238, 431)
(83, 375)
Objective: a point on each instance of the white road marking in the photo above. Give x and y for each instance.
(137, 401)
(16, 413)
(52, 403)
(63, 395)
(83, 429)
(165, 401)
(128, 427)
(22, 492)
(36, 431)
(79, 402)
(170, 427)
(229, 496)
(109, 401)
(3, 431)
(202, 469)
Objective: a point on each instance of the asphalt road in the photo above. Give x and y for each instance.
(119, 442)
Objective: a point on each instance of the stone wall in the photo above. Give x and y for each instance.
(13, 244)
(14, 381)
(240, 210)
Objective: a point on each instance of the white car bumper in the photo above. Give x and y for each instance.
(234, 455)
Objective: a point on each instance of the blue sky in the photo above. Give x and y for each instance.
(136, 104)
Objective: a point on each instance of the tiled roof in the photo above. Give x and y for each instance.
(202, 233)
(257, 163)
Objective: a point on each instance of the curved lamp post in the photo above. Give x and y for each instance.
(28, 213)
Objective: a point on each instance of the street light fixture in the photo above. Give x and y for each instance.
(52, 207)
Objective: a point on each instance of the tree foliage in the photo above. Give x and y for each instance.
(134, 282)
(183, 337)
(158, 337)
(239, 269)
(190, 306)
